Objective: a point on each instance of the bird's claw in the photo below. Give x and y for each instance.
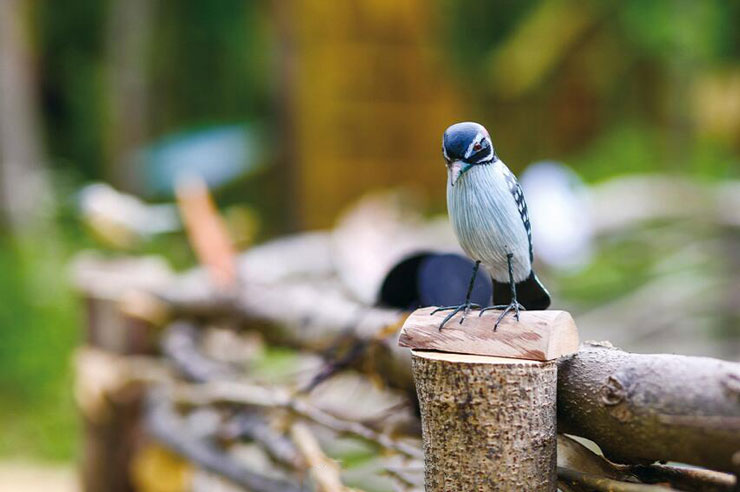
(466, 307)
(507, 308)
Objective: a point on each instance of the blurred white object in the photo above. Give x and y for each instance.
(119, 217)
(379, 231)
(559, 209)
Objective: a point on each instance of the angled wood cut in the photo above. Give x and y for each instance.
(539, 335)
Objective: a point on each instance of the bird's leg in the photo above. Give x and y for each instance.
(465, 307)
(507, 308)
(470, 290)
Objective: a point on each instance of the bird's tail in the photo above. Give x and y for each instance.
(530, 293)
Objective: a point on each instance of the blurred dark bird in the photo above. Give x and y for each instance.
(432, 279)
(422, 279)
(489, 215)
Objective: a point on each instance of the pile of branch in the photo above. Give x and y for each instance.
(639, 409)
(250, 406)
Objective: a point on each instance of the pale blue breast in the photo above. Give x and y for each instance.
(487, 221)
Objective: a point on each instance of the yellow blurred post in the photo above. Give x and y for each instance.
(367, 101)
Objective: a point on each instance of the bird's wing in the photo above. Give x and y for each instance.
(518, 194)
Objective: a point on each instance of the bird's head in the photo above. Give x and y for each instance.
(465, 145)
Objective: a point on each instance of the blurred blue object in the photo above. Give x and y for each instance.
(557, 199)
(443, 280)
(217, 154)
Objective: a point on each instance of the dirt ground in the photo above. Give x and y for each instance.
(23, 476)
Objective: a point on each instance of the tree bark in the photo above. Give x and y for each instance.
(488, 423)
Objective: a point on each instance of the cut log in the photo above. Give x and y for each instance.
(658, 407)
(488, 423)
(538, 335)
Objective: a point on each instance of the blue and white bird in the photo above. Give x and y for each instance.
(490, 219)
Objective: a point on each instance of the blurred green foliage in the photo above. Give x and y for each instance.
(669, 29)
(607, 87)
(206, 62)
(210, 62)
(40, 321)
(636, 147)
(71, 46)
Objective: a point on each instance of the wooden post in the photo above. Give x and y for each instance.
(487, 398)
(121, 320)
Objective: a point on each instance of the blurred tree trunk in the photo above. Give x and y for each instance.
(730, 317)
(23, 181)
(129, 29)
(286, 67)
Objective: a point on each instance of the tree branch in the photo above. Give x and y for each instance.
(257, 428)
(255, 395)
(685, 478)
(325, 471)
(602, 484)
(167, 427)
(658, 407)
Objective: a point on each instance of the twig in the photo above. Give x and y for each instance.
(355, 428)
(401, 484)
(601, 484)
(167, 427)
(324, 471)
(406, 478)
(180, 345)
(257, 428)
(685, 478)
(250, 394)
(575, 456)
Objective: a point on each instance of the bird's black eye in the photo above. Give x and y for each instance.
(477, 146)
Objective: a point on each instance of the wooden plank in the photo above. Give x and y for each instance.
(538, 335)
(207, 231)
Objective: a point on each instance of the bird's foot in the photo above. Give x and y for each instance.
(465, 308)
(514, 307)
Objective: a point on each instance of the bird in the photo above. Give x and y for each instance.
(489, 216)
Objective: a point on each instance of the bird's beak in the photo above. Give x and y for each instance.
(456, 169)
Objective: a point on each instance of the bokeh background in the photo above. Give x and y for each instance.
(294, 110)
